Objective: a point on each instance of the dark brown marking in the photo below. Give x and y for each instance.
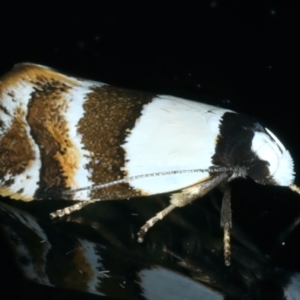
(49, 129)
(110, 113)
(233, 148)
(16, 151)
(4, 110)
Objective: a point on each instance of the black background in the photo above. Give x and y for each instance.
(240, 55)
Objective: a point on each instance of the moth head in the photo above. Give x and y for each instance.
(273, 163)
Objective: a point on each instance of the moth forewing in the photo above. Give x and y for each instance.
(60, 134)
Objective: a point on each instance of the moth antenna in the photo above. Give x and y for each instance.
(97, 187)
(127, 179)
(295, 188)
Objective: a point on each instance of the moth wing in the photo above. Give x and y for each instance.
(62, 133)
(172, 134)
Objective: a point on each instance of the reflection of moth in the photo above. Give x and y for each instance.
(69, 138)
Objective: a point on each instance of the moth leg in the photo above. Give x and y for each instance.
(182, 198)
(159, 216)
(68, 210)
(226, 223)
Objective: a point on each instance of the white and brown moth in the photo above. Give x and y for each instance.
(63, 137)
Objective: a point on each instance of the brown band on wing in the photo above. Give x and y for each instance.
(49, 129)
(16, 153)
(110, 114)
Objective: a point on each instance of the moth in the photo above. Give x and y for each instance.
(69, 138)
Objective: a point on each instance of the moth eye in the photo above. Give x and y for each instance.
(258, 170)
